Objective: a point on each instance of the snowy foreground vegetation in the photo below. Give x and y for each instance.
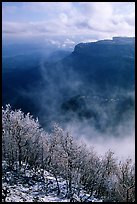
(55, 167)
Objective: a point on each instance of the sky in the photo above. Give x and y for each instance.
(73, 21)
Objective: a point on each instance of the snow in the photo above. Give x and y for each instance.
(23, 193)
(37, 192)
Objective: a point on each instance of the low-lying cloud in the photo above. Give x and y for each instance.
(122, 144)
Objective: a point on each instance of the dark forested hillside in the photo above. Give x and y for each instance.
(96, 78)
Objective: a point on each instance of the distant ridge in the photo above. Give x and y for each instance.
(115, 47)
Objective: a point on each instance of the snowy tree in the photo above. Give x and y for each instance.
(91, 172)
(9, 150)
(74, 156)
(64, 159)
(54, 158)
(107, 170)
(21, 136)
(126, 181)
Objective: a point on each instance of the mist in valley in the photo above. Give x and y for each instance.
(89, 116)
(56, 93)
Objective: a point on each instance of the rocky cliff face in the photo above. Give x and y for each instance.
(106, 63)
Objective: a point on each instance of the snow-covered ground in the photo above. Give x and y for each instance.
(22, 188)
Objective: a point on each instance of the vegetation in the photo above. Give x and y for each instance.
(25, 143)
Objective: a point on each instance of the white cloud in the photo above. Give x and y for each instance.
(100, 19)
(68, 41)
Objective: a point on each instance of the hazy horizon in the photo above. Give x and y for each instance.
(65, 24)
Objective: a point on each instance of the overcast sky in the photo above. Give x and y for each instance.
(87, 21)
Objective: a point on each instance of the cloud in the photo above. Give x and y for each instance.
(50, 7)
(123, 145)
(103, 19)
(8, 10)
